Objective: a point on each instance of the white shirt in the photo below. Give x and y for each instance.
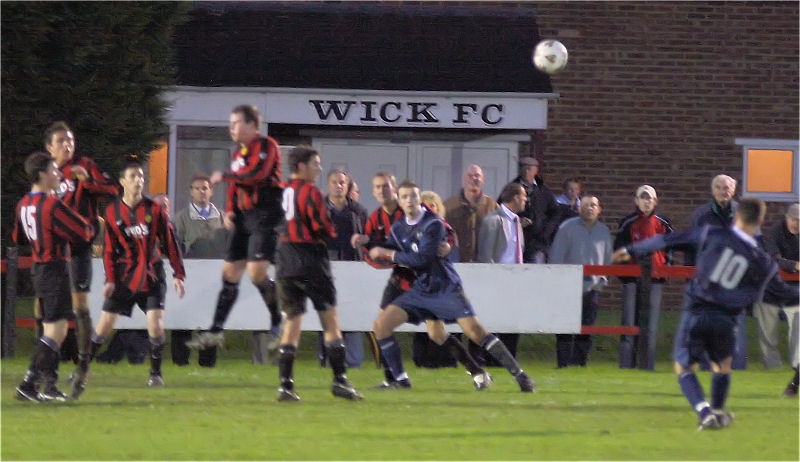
(513, 243)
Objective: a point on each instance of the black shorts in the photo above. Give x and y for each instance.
(122, 299)
(80, 267)
(293, 291)
(705, 332)
(253, 237)
(51, 287)
(390, 293)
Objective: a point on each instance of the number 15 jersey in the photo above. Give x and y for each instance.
(47, 223)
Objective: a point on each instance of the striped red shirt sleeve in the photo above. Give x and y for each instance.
(169, 244)
(262, 160)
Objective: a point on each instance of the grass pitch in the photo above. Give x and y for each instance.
(230, 413)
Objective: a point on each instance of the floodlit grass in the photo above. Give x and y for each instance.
(230, 413)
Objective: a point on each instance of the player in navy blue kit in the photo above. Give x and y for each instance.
(304, 271)
(436, 292)
(732, 273)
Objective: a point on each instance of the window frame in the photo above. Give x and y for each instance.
(749, 144)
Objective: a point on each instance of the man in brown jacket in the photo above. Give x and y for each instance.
(466, 210)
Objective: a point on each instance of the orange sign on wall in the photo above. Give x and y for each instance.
(769, 170)
(157, 165)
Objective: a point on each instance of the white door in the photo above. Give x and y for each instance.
(433, 165)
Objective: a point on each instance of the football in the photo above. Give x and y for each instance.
(550, 56)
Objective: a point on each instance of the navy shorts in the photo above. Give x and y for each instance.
(80, 267)
(447, 305)
(253, 237)
(51, 287)
(711, 332)
(122, 299)
(293, 291)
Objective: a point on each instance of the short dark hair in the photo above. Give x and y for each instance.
(337, 171)
(569, 180)
(509, 191)
(36, 163)
(300, 155)
(55, 127)
(751, 210)
(407, 184)
(128, 165)
(199, 178)
(249, 112)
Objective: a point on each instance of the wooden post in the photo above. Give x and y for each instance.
(643, 314)
(9, 328)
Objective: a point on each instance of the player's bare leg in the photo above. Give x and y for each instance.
(475, 331)
(436, 331)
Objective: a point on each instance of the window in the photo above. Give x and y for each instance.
(770, 168)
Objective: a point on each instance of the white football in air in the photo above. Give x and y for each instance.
(550, 56)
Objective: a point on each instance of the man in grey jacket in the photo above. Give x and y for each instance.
(501, 240)
(582, 240)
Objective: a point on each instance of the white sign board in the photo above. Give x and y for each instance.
(506, 298)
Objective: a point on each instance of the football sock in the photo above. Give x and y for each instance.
(460, 352)
(795, 380)
(387, 373)
(227, 296)
(394, 360)
(498, 350)
(47, 359)
(156, 353)
(693, 392)
(95, 343)
(336, 354)
(720, 383)
(267, 290)
(83, 321)
(285, 365)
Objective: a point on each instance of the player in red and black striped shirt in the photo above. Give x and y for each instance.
(47, 224)
(252, 212)
(304, 271)
(82, 185)
(379, 224)
(138, 230)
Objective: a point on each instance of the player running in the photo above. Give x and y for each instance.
(732, 273)
(436, 292)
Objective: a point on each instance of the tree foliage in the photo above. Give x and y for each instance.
(99, 66)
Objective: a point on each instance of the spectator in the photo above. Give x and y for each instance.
(202, 234)
(348, 217)
(197, 225)
(541, 215)
(466, 210)
(642, 224)
(719, 212)
(572, 195)
(353, 191)
(582, 240)
(501, 241)
(781, 243)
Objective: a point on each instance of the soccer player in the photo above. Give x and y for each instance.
(436, 292)
(47, 224)
(82, 185)
(304, 271)
(253, 211)
(731, 274)
(138, 232)
(384, 188)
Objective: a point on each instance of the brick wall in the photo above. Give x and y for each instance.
(656, 92)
